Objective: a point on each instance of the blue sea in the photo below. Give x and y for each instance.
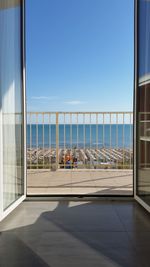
(80, 136)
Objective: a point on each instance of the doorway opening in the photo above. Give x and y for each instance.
(79, 97)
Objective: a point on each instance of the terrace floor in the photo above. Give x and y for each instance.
(76, 233)
(105, 182)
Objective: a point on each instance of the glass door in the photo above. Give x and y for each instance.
(142, 124)
(12, 106)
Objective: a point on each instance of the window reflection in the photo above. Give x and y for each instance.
(144, 40)
(143, 95)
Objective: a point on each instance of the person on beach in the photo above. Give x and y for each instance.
(75, 162)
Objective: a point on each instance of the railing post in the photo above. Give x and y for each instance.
(57, 140)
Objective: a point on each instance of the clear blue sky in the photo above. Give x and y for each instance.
(79, 55)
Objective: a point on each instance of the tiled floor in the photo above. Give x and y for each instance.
(111, 182)
(76, 234)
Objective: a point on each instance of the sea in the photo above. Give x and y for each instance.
(81, 136)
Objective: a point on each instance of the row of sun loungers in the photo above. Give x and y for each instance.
(91, 156)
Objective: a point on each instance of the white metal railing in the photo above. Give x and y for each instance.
(79, 140)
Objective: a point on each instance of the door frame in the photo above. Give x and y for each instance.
(4, 213)
(136, 119)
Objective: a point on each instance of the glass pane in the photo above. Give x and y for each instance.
(11, 92)
(144, 40)
(143, 179)
(144, 143)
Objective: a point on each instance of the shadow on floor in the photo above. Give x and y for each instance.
(92, 234)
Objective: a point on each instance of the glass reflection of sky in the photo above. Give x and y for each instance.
(144, 38)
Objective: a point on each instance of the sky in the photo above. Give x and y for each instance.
(79, 55)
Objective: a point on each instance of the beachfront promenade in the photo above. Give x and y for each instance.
(95, 182)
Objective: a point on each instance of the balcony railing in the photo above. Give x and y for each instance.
(94, 140)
